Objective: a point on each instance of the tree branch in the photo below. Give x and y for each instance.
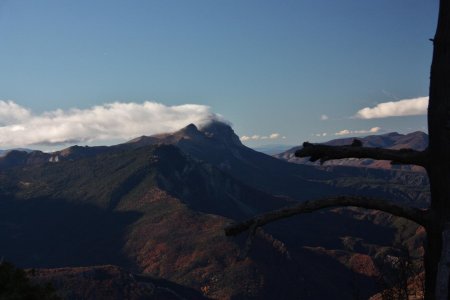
(326, 152)
(416, 215)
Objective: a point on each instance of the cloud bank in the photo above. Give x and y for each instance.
(406, 107)
(20, 127)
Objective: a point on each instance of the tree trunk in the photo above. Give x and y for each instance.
(439, 146)
(443, 274)
(433, 248)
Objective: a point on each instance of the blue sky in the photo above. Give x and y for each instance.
(293, 68)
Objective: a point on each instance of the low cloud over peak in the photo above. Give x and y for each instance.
(112, 121)
(406, 107)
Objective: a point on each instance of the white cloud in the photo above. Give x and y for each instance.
(343, 132)
(12, 113)
(256, 137)
(112, 121)
(406, 107)
(347, 132)
(274, 136)
(320, 134)
(323, 117)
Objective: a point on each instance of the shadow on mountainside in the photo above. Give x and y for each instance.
(54, 233)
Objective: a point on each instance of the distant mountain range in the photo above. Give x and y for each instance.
(157, 206)
(272, 149)
(4, 152)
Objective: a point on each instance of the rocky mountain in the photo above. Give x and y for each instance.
(416, 140)
(157, 206)
(217, 144)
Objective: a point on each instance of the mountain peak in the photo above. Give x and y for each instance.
(189, 130)
(221, 131)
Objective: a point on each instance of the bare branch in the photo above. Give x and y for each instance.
(414, 214)
(326, 152)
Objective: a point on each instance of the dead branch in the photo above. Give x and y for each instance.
(416, 215)
(326, 152)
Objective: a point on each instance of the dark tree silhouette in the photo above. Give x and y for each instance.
(15, 285)
(435, 159)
